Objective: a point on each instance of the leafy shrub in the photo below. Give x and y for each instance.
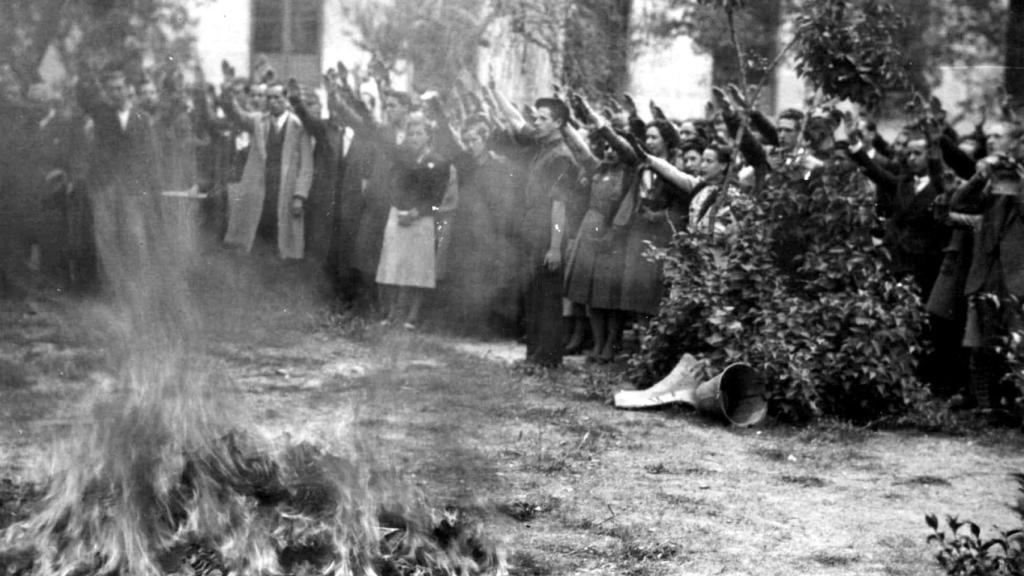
(963, 552)
(1013, 351)
(800, 290)
(847, 49)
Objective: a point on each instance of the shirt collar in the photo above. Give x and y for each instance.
(920, 183)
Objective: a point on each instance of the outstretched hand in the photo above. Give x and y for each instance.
(582, 108)
(737, 96)
(720, 102)
(656, 112)
(638, 147)
(629, 105)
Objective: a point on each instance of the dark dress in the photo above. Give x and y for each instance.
(596, 261)
(643, 282)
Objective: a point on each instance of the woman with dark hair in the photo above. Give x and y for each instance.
(714, 166)
(655, 209)
(594, 273)
(689, 156)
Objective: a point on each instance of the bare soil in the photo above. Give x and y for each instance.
(571, 484)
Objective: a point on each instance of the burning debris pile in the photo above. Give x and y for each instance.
(234, 509)
(158, 479)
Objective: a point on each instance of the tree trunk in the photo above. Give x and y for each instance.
(1014, 75)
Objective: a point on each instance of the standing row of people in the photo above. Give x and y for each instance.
(532, 220)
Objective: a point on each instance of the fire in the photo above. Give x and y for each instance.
(161, 480)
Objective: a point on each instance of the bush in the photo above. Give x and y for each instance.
(963, 552)
(1013, 351)
(800, 290)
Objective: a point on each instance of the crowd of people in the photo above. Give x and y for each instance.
(468, 212)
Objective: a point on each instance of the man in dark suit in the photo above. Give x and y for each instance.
(124, 181)
(914, 236)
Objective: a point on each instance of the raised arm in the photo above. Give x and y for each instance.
(316, 127)
(579, 148)
(885, 180)
(764, 127)
(673, 175)
(245, 121)
(507, 109)
(958, 161)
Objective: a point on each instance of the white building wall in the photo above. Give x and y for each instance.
(223, 29)
(669, 72)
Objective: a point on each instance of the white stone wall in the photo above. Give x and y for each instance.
(223, 29)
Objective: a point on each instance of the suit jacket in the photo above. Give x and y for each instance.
(245, 200)
(121, 157)
(912, 230)
(997, 264)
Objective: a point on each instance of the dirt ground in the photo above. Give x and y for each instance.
(572, 485)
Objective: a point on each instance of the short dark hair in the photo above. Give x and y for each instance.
(559, 111)
(696, 145)
(724, 152)
(792, 114)
(668, 133)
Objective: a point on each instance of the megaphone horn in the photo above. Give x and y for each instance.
(737, 394)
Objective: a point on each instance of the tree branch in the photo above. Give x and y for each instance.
(730, 13)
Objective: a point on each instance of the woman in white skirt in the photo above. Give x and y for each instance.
(407, 266)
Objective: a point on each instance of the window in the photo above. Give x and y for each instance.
(287, 33)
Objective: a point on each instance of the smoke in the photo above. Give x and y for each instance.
(167, 472)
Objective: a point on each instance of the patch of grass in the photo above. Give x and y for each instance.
(650, 552)
(657, 468)
(690, 504)
(525, 564)
(698, 471)
(925, 480)
(804, 481)
(528, 508)
(836, 432)
(832, 559)
(770, 453)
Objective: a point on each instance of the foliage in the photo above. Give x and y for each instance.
(89, 35)
(584, 39)
(800, 290)
(935, 33)
(847, 50)
(706, 23)
(1012, 350)
(963, 552)
(596, 46)
(439, 38)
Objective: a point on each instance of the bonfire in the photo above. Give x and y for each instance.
(153, 484)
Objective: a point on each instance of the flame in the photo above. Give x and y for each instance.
(162, 480)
